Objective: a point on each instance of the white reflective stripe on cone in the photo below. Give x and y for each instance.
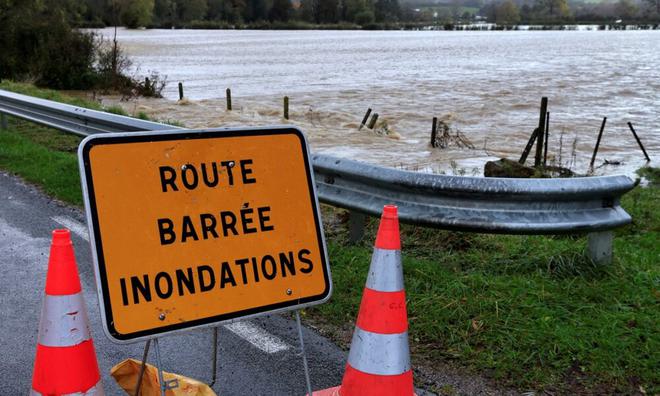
(96, 390)
(63, 321)
(379, 354)
(385, 271)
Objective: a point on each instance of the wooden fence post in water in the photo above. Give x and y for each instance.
(372, 123)
(528, 147)
(147, 84)
(539, 145)
(366, 117)
(180, 91)
(434, 131)
(600, 135)
(638, 141)
(547, 134)
(228, 99)
(286, 107)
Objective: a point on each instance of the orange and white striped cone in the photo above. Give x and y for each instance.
(65, 362)
(379, 359)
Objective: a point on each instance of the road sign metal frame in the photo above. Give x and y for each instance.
(97, 249)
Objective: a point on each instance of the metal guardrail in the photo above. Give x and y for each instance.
(488, 205)
(72, 119)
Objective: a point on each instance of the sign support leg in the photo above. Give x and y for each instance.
(304, 354)
(142, 367)
(164, 385)
(215, 356)
(161, 381)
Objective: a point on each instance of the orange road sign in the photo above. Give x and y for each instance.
(193, 228)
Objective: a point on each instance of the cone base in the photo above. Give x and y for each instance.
(327, 392)
(356, 382)
(335, 391)
(59, 370)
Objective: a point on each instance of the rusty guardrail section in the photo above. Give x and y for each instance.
(487, 205)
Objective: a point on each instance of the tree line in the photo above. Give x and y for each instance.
(183, 13)
(511, 12)
(357, 13)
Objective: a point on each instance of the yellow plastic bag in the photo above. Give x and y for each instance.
(126, 374)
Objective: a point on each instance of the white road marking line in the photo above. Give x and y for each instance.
(74, 226)
(15, 244)
(258, 337)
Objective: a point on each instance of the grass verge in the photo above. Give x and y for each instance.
(531, 312)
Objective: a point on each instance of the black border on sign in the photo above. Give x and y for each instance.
(139, 137)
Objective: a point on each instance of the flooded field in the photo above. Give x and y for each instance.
(487, 85)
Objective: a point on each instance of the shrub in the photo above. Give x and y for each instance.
(38, 44)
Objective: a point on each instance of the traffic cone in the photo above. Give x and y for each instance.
(379, 359)
(65, 361)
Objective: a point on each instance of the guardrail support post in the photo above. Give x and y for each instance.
(3, 122)
(357, 222)
(600, 247)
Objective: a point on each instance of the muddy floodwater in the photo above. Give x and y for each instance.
(487, 85)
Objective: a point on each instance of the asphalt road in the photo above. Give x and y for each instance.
(256, 357)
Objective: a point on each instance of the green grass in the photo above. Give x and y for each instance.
(652, 175)
(45, 156)
(530, 312)
(39, 157)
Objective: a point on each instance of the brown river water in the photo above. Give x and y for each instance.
(487, 85)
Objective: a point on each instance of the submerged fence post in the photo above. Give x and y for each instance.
(372, 123)
(366, 117)
(528, 147)
(286, 107)
(539, 145)
(638, 141)
(180, 91)
(600, 135)
(600, 247)
(357, 223)
(547, 135)
(434, 131)
(228, 99)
